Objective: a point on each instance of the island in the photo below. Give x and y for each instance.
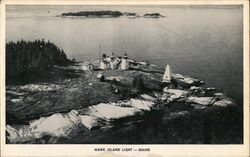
(103, 13)
(153, 15)
(108, 99)
(109, 14)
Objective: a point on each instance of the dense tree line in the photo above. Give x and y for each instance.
(31, 58)
(94, 13)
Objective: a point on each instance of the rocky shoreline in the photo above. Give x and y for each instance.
(61, 110)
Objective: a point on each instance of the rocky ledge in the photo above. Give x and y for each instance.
(58, 112)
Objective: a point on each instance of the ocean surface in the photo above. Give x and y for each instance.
(204, 42)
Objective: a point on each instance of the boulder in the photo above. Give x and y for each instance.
(141, 104)
(225, 102)
(173, 94)
(147, 97)
(201, 100)
(108, 111)
(89, 121)
(57, 125)
(40, 88)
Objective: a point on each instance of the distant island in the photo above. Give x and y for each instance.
(103, 13)
(153, 15)
(109, 13)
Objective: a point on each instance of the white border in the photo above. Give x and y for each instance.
(241, 150)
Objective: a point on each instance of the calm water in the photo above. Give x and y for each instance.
(206, 42)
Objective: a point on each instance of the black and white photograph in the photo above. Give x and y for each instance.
(124, 74)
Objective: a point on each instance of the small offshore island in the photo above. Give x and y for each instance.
(107, 100)
(109, 13)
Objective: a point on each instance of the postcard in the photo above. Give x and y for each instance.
(124, 78)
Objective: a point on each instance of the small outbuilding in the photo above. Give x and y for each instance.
(101, 77)
(87, 66)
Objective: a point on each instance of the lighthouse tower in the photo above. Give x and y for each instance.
(125, 62)
(167, 75)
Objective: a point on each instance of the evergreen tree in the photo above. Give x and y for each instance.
(25, 58)
(138, 83)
